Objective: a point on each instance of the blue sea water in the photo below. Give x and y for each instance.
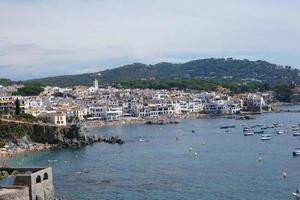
(152, 164)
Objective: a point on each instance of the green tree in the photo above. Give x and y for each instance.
(18, 109)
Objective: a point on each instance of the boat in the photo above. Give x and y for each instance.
(297, 195)
(226, 127)
(266, 137)
(259, 131)
(296, 152)
(295, 129)
(246, 129)
(296, 134)
(248, 133)
(260, 125)
(279, 132)
(277, 125)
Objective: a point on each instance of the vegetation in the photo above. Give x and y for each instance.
(213, 69)
(18, 109)
(195, 84)
(30, 90)
(11, 132)
(26, 117)
(283, 93)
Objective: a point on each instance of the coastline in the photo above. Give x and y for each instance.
(136, 120)
(31, 148)
(36, 147)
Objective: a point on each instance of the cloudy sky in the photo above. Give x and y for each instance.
(41, 38)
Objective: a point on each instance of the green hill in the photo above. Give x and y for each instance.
(217, 69)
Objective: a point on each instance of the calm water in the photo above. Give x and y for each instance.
(162, 167)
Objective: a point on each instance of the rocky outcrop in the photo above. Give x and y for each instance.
(38, 132)
(84, 141)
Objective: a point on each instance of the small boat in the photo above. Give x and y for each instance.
(279, 132)
(259, 131)
(296, 152)
(266, 137)
(297, 195)
(296, 134)
(277, 125)
(295, 129)
(260, 125)
(246, 129)
(226, 127)
(248, 133)
(294, 126)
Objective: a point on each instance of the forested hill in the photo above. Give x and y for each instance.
(213, 69)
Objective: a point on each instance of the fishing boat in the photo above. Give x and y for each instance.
(296, 134)
(296, 152)
(248, 133)
(266, 137)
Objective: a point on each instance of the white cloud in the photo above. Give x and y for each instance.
(67, 36)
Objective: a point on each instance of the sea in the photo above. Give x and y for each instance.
(194, 159)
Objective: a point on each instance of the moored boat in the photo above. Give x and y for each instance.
(296, 134)
(266, 137)
(296, 194)
(259, 131)
(279, 132)
(248, 133)
(246, 129)
(296, 152)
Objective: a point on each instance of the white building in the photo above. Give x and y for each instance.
(106, 113)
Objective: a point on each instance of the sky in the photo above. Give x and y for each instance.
(40, 38)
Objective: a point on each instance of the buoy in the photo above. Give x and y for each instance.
(190, 149)
(195, 154)
(284, 175)
(177, 138)
(203, 143)
(259, 159)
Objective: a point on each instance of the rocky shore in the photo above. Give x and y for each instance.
(84, 141)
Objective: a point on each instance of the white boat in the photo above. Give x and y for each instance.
(246, 129)
(295, 194)
(295, 129)
(248, 133)
(279, 132)
(296, 152)
(266, 137)
(296, 134)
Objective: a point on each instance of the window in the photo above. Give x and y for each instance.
(45, 176)
(38, 179)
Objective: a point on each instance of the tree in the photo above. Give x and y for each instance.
(18, 109)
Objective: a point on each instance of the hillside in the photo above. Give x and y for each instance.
(213, 69)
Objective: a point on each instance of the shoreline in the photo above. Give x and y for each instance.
(37, 147)
(32, 147)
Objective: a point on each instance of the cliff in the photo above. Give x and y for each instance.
(37, 132)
